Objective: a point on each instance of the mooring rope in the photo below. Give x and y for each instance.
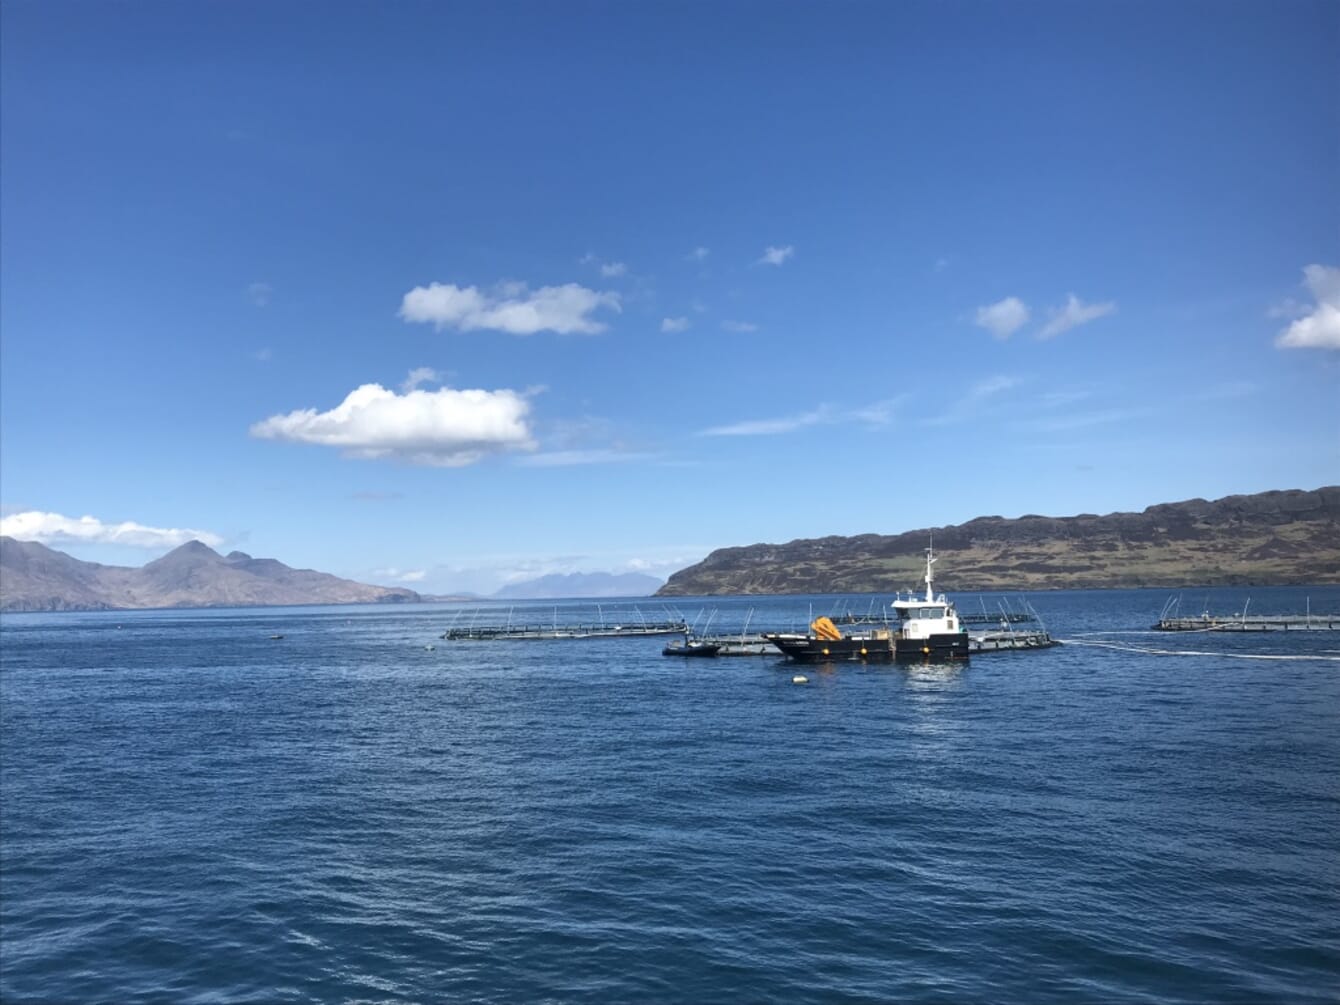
(1144, 651)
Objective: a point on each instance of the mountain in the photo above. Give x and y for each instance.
(1272, 538)
(582, 584)
(34, 577)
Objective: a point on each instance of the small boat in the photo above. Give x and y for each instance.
(691, 647)
(929, 630)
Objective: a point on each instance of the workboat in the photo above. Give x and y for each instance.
(691, 647)
(929, 629)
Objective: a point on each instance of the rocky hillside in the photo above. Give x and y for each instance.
(34, 577)
(1271, 538)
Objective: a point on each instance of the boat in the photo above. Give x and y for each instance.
(691, 647)
(929, 629)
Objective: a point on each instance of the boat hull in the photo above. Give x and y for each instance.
(808, 649)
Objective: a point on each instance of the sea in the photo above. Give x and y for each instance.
(195, 811)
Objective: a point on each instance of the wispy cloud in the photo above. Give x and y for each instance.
(1003, 318)
(879, 413)
(401, 575)
(776, 256)
(260, 293)
(1081, 420)
(612, 269)
(698, 254)
(418, 376)
(771, 427)
(739, 326)
(509, 307)
(442, 428)
(1075, 312)
(576, 458)
(48, 528)
(1319, 327)
(974, 400)
(674, 324)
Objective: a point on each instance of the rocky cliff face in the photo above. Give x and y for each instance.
(1269, 538)
(34, 577)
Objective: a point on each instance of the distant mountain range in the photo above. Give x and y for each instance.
(34, 577)
(1272, 538)
(582, 584)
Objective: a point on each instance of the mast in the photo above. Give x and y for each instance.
(930, 560)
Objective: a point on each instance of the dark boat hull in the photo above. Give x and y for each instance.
(807, 649)
(700, 649)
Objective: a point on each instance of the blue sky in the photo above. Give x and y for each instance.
(451, 294)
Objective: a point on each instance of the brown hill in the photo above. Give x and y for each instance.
(1271, 538)
(34, 577)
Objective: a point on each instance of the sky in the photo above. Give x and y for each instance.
(451, 295)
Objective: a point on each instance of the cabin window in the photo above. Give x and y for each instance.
(932, 612)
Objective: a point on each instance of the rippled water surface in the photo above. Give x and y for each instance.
(193, 811)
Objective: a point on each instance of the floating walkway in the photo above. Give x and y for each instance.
(491, 633)
(1255, 623)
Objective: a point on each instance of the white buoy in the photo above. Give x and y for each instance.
(800, 678)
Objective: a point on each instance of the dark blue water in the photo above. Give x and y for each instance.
(191, 811)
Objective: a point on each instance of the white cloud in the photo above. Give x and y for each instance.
(418, 376)
(442, 428)
(698, 254)
(574, 458)
(771, 427)
(878, 414)
(971, 404)
(1003, 318)
(1074, 313)
(1320, 327)
(53, 527)
(739, 326)
(674, 324)
(776, 256)
(260, 293)
(611, 269)
(401, 576)
(1082, 420)
(509, 307)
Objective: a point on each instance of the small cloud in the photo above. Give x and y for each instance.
(1074, 313)
(260, 293)
(1319, 327)
(1082, 420)
(576, 458)
(611, 269)
(442, 428)
(775, 256)
(262, 355)
(941, 264)
(401, 576)
(974, 400)
(53, 527)
(698, 254)
(420, 375)
(739, 326)
(1003, 318)
(674, 324)
(771, 427)
(877, 414)
(510, 307)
